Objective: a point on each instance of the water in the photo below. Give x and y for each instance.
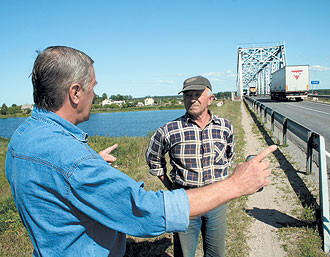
(115, 124)
(9, 125)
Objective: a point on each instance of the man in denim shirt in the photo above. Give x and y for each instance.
(70, 199)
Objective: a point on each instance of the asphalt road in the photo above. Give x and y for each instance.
(313, 115)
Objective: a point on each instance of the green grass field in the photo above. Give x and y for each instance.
(14, 240)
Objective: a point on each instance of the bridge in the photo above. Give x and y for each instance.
(309, 121)
(256, 64)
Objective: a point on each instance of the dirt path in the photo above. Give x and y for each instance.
(267, 208)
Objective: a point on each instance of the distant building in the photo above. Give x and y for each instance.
(110, 101)
(106, 101)
(149, 101)
(27, 106)
(139, 104)
(120, 103)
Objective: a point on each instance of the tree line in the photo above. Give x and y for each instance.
(16, 110)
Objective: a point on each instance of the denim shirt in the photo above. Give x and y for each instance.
(72, 202)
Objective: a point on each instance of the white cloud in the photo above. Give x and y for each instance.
(220, 75)
(212, 74)
(166, 81)
(320, 68)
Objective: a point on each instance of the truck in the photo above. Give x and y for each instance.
(253, 91)
(290, 83)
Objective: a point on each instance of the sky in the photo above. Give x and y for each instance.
(149, 47)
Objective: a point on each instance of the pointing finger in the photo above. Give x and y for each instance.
(110, 149)
(264, 153)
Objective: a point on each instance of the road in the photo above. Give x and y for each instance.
(313, 115)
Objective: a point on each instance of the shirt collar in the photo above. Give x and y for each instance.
(188, 118)
(59, 122)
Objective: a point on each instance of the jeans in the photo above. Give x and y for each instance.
(213, 228)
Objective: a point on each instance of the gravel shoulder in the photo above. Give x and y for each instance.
(272, 208)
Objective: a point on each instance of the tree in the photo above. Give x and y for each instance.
(97, 100)
(14, 109)
(4, 109)
(104, 96)
(120, 97)
(28, 110)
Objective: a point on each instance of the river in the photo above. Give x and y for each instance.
(114, 124)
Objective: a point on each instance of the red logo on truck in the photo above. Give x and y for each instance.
(296, 73)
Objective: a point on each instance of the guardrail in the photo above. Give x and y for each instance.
(319, 96)
(314, 141)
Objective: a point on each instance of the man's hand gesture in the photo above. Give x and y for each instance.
(105, 154)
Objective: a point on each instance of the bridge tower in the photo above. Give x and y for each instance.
(255, 65)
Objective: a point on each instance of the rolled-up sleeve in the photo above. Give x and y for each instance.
(177, 210)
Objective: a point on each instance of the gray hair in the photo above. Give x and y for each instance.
(54, 70)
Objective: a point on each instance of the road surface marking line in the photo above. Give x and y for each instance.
(311, 109)
(327, 153)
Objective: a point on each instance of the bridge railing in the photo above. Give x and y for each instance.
(312, 140)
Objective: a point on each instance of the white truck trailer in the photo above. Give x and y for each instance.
(290, 82)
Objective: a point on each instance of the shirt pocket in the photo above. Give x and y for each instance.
(220, 156)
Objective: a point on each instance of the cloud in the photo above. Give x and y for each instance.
(213, 74)
(320, 68)
(220, 75)
(166, 81)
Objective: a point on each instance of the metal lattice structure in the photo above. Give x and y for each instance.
(255, 66)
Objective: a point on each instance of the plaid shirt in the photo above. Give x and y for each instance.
(198, 156)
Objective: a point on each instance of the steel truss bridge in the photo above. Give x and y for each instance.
(256, 64)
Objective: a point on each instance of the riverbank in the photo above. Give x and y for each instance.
(109, 110)
(137, 109)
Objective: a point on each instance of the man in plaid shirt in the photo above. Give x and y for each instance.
(201, 148)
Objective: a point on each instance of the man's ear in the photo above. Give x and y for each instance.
(211, 98)
(74, 93)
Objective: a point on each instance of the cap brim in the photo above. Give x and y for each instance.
(193, 87)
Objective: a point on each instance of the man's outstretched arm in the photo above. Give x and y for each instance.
(247, 179)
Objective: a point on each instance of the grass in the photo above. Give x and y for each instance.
(14, 239)
(301, 242)
(297, 241)
(237, 220)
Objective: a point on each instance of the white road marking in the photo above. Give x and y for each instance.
(311, 109)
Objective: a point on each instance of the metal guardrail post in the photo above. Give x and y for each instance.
(285, 129)
(257, 106)
(309, 159)
(261, 108)
(272, 121)
(324, 197)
